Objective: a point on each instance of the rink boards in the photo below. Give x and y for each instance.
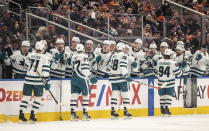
(144, 100)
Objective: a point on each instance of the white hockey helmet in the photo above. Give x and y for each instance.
(112, 42)
(164, 44)
(39, 46)
(106, 42)
(180, 47)
(44, 42)
(120, 46)
(25, 43)
(89, 42)
(168, 52)
(127, 46)
(76, 39)
(60, 41)
(153, 46)
(79, 47)
(138, 41)
(180, 43)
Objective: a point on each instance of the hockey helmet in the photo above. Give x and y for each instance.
(138, 41)
(39, 46)
(168, 52)
(180, 47)
(44, 42)
(153, 46)
(25, 43)
(112, 42)
(76, 39)
(106, 42)
(164, 44)
(89, 42)
(120, 46)
(79, 47)
(60, 41)
(180, 43)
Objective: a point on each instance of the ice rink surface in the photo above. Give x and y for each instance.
(157, 123)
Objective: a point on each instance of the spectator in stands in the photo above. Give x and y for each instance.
(42, 31)
(166, 9)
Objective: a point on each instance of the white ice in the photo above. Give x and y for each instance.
(173, 123)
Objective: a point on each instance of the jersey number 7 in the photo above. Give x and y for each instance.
(36, 64)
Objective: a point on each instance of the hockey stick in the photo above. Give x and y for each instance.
(155, 87)
(44, 82)
(182, 73)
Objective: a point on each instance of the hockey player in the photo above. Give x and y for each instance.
(199, 64)
(138, 55)
(62, 59)
(80, 81)
(112, 46)
(150, 62)
(89, 50)
(36, 79)
(182, 59)
(72, 47)
(102, 58)
(158, 56)
(119, 78)
(17, 60)
(167, 69)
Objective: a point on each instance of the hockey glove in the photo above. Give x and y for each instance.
(69, 61)
(4, 55)
(57, 57)
(47, 85)
(198, 57)
(92, 79)
(61, 56)
(128, 78)
(98, 58)
(183, 64)
(134, 64)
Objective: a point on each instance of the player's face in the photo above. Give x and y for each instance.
(112, 48)
(60, 46)
(178, 52)
(137, 46)
(24, 49)
(74, 44)
(152, 50)
(162, 49)
(105, 48)
(126, 50)
(89, 46)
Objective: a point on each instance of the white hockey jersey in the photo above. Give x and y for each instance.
(17, 60)
(139, 57)
(62, 69)
(166, 72)
(198, 67)
(70, 50)
(118, 67)
(38, 68)
(81, 65)
(102, 65)
(179, 59)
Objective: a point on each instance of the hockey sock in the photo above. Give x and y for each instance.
(114, 99)
(24, 103)
(126, 101)
(36, 104)
(85, 103)
(168, 100)
(162, 100)
(73, 101)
